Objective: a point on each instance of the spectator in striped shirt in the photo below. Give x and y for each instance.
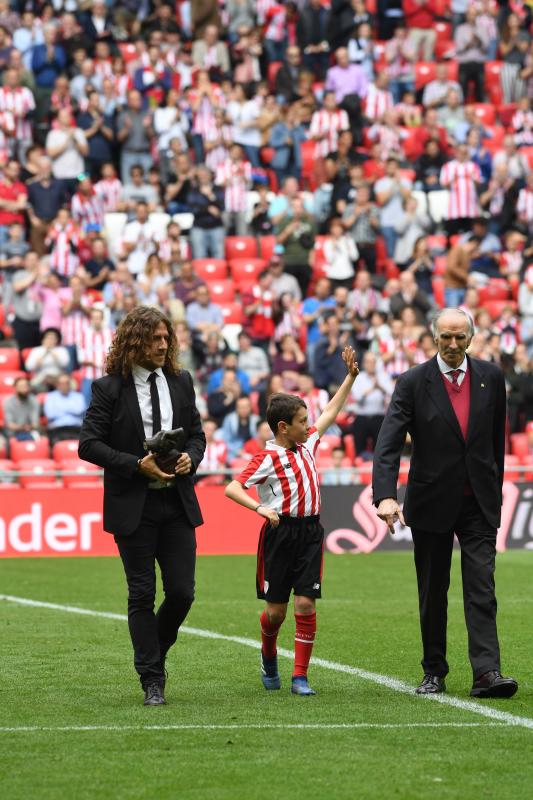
(291, 540)
(92, 350)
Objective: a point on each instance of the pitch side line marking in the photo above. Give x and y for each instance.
(236, 727)
(374, 677)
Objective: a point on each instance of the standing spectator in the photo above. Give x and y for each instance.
(400, 55)
(457, 271)
(370, 397)
(96, 23)
(471, 45)
(211, 54)
(314, 309)
(514, 44)
(436, 91)
(99, 266)
(420, 20)
(48, 63)
(326, 125)
(257, 306)
(312, 35)
(340, 252)
(19, 101)
(461, 176)
(139, 239)
(109, 188)
(13, 199)
(92, 350)
(410, 226)
(286, 139)
(288, 75)
(21, 412)
(87, 205)
(63, 239)
(99, 132)
(296, 232)
(275, 32)
(206, 202)
(421, 265)
(75, 309)
(391, 191)
(344, 78)
(134, 132)
(235, 175)
(153, 78)
(243, 113)
(361, 220)
(328, 371)
(410, 295)
(66, 146)
(46, 195)
(26, 308)
(64, 409)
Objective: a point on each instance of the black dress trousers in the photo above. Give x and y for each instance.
(164, 536)
(433, 554)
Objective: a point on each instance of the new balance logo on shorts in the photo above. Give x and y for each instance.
(316, 586)
(265, 587)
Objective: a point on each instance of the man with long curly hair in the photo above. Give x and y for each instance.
(152, 514)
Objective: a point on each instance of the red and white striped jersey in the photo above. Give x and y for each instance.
(316, 401)
(236, 177)
(215, 457)
(93, 347)
(261, 7)
(286, 480)
(524, 205)
(399, 363)
(73, 325)
(19, 102)
(64, 254)
(325, 127)
(7, 132)
(276, 23)
(461, 178)
(217, 155)
(390, 139)
(377, 101)
(109, 191)
(204, 118)
(122, 83)
(87, 210)
(103, 68)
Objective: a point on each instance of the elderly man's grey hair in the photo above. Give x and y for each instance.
(440, 313)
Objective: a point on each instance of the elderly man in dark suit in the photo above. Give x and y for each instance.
(453, 407)
(152, 514)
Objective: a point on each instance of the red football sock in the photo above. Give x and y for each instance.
(269, 636)
(303, 642)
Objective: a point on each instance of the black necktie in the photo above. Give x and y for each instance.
(156, 408)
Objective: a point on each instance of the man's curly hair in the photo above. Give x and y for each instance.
(133, 340)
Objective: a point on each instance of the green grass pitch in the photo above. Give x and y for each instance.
(66, 670)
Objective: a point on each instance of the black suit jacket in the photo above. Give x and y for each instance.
(442, 461)
(112, 436)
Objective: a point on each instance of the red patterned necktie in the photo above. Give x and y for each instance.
(455, 374)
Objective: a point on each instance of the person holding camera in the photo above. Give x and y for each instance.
(296, 232)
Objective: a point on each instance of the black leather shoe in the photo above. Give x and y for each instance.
(153, 694)
(492, 684)
(431, 684)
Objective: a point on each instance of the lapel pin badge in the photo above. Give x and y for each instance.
(482, 385)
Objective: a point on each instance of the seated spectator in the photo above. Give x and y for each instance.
(254, 446)
(480, 155)
(187, 283)
(139, 239)
(289, 362)
(485, 260)
(153, 78)
(327, 124)
(287, 318)
(282, 282)
(328, 371)
(204, 316)
(390, 191)
(411, 225)
(338, 473)
(257, 306)
(47, 361)
(286, 84)
(500, 199)
(428, 167)
(227, 360)
(525, 307)
(215, 455)
(515, 161)
(421, 265)
(98, 268)
(253, 362)
(64, 409)
(137, 191)
(238, 427)
(224, 400)
(156, 274)
(314, 398)
(410, 295)
(21, 412)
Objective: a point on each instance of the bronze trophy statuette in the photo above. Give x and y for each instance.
(166, 446)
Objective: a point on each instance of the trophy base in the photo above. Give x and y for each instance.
(167, 461)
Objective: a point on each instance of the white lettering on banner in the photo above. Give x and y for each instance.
(60, 532)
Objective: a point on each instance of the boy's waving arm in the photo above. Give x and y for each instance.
(337, 402)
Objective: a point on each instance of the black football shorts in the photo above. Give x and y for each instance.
(290, 557)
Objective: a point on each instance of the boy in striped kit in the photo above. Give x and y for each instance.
(291, 542)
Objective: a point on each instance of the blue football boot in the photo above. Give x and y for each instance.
(300, 686)
(269, 672)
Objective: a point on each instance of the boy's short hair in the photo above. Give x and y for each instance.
(282, 408)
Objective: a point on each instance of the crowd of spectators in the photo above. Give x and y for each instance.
(281, 178)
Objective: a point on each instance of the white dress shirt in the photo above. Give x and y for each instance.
(447, 370)
(142, 387)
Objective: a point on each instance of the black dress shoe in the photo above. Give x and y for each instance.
(153, 694)
(492, 684)
(431, 684)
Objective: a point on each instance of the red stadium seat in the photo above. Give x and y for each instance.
(495, 307)
(349, 447)
(240, 247)
(364, 471)
(443, 30)
(246, 269)
(444, 47)
(439, 265)
(128, 51)
(506, 112)
(266, 247)
(8, 378)
(232, 313)
(211, 269)
(438, 291)
(65, 450)
(519, 445)
(496, 289)
(222, 291)
(437, 243)
(34, 448)
(486, 113)
(493, 83)
(425, 72)
(7, 466)
(510, 471)
(86, 474)
(38, 479)
(9, 359)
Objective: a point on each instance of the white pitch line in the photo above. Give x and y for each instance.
(375, 677)
(259, 727)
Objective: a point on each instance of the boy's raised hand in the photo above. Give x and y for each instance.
(348, 356)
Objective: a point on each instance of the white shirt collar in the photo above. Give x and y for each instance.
(445, 368)
(143, 374)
